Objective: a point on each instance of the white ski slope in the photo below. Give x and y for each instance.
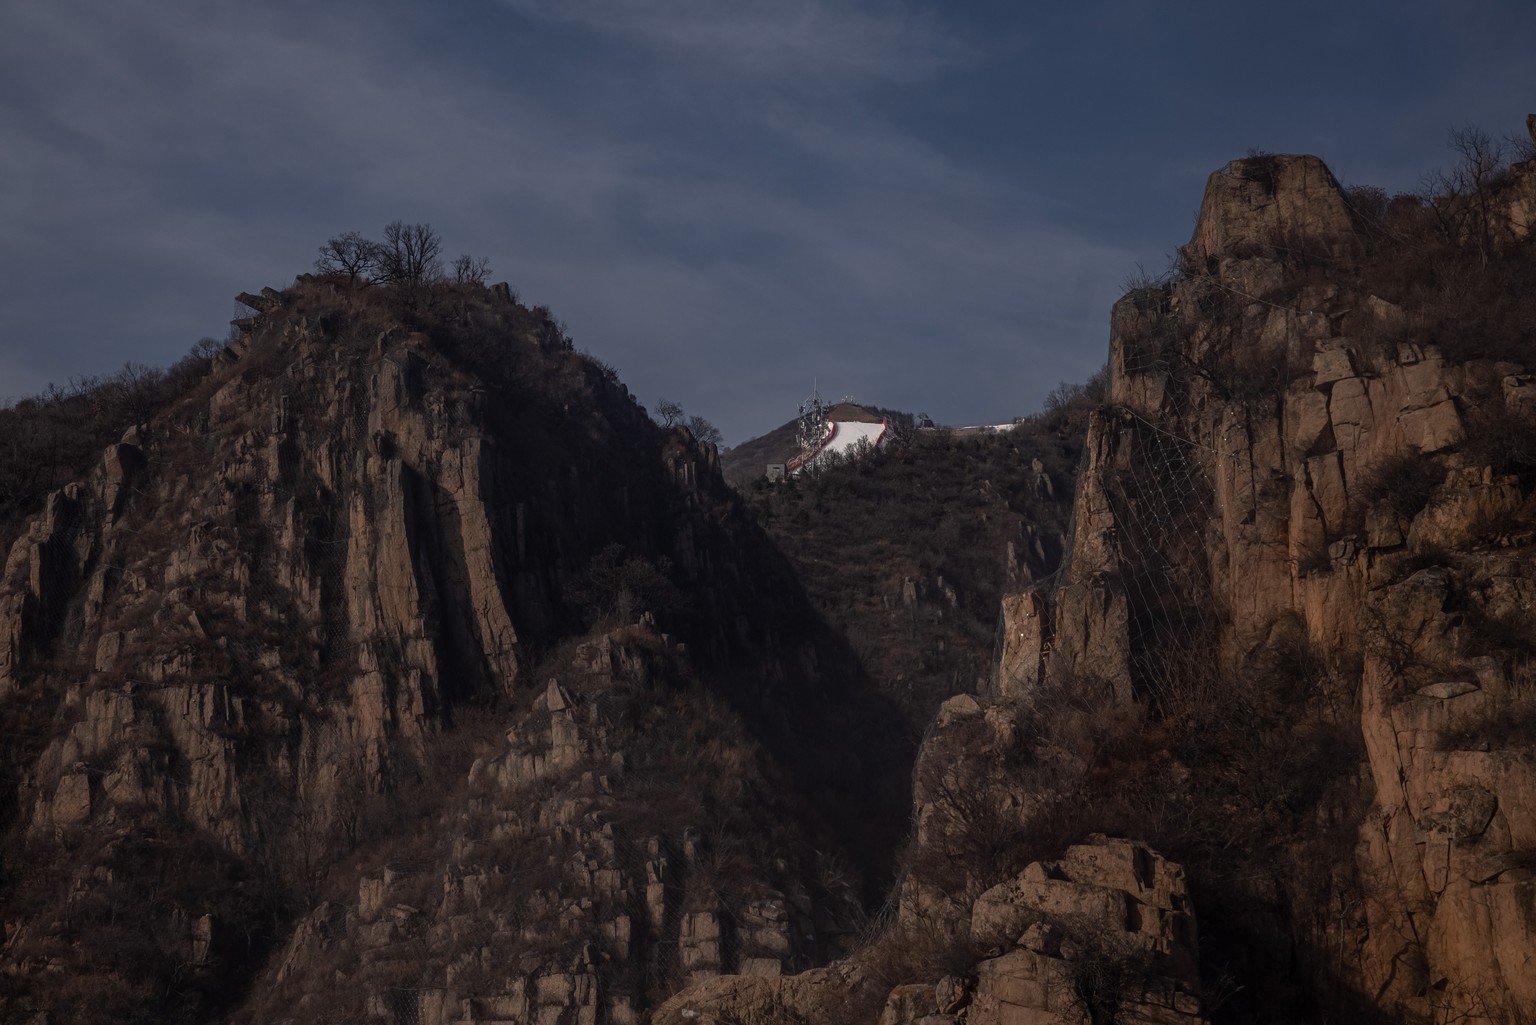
(847, 434)
(842, 435)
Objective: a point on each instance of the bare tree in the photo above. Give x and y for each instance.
(206, 349)
(703, 431)
(669, 412)
(352, 255)
(133, 390)
(471, 269)
(409, 255)
(1462, 197)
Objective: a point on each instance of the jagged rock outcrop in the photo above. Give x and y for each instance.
(243, 658)
(249, 636)
(1282, 451)
(1447, 851)
(1252, 206)
(1105, 933)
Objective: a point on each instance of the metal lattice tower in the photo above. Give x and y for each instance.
(812, 424)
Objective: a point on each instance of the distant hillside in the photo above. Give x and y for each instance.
(748, 461)
(909, 551)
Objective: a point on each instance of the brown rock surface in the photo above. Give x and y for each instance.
(1294, 445)
(1268, 201)
(1106, 887)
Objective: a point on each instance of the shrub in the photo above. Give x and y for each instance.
(616, 587)
(1502, 438)
(941, 512)
(920, 946)
(1368, 207)
(55, 437)
(1401, 484)
(1260, 166)
(1108, 969)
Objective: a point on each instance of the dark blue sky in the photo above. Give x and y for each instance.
(929, 206)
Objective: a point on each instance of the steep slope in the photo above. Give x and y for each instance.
(1318, 410)
(240, 660)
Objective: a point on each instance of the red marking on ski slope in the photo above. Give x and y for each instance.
(841, 436)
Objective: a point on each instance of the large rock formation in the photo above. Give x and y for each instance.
(1105, 933)
(1285, 448)
(257, 635)
(618, 843)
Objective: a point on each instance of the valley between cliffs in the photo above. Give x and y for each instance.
(394, 666)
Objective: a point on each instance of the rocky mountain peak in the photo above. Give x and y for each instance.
(266, 623)
(1270, 200)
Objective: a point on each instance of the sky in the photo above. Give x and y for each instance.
(928, 206)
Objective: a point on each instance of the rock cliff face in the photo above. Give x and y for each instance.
(1292, 460)
(259, 628)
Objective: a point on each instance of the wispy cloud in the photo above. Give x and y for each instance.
(171, 155)
(722, 199)
(778, 38)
